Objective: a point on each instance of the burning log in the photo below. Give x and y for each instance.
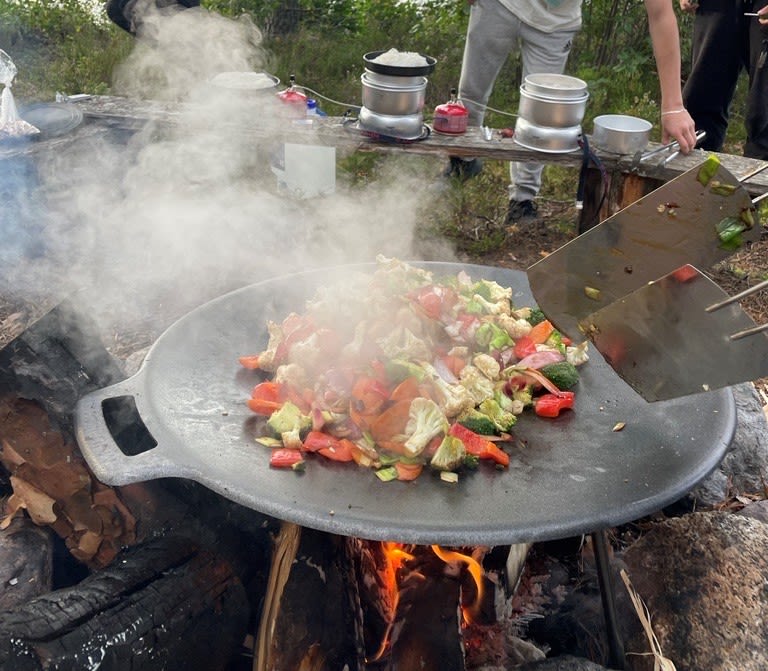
(165, 604)
(309, 621)
(426, 631)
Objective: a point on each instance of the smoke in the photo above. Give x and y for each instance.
(158, 221)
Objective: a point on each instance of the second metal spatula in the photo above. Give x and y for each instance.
(675, 336)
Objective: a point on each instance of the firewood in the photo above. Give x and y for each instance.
(166, 604)
(310, 620)
(426, 632)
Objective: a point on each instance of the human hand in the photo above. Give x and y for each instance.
(678, 125)
(689, 6)
(762, 16)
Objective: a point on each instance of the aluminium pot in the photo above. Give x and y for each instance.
(620, 133)
(392, 99)
(552, 112)
(545, 138)
(555, 86)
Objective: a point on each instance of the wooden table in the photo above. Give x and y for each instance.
(620, 183)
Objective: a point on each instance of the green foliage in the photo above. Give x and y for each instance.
(59, 46)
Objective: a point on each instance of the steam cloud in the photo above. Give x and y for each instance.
(161, 220)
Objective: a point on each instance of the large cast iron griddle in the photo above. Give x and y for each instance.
(574, 476)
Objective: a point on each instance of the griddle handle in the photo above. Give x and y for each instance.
(110, 418)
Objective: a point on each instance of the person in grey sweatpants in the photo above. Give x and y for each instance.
(493, 30)
(543, 30)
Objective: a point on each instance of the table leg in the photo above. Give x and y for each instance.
(605, 580)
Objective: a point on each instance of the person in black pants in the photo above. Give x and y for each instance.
(725, 42)
(127, 13)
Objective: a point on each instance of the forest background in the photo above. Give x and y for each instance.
(70, 46)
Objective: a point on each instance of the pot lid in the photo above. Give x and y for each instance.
(52, 119)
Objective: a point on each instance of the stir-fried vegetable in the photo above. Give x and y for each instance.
(404, 373)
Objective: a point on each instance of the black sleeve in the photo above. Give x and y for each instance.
(121, 12)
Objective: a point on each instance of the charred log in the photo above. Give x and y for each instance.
(56, 360)
(26, 563)
(164, 605)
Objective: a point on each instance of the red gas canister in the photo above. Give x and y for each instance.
(451, 117)
(295, 101)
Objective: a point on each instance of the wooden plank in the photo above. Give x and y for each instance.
(129, 113)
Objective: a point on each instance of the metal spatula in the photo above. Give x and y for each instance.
(672, 226)
(679, 335)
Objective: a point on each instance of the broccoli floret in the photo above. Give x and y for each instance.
(425, 421)
(503, 420)
(523, 397)
(450, 455)
(478, 422)
(562, 373)
(289, 423)
(493, 337)
(398, 370)
(536, 316)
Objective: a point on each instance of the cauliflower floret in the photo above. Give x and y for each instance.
(401, 343)
(517, 328)
(267, 357)
(488, 366)
(491, 307)
(578, 354)
(293, 374)
(454, 398)
(425, 421)
(477, 384)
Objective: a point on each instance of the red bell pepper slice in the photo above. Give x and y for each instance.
(317, 440)
(341, 450)
(524, 346)
(285, 457)
(480, 447)
(550, 405)
(251, 362)
(265, 398)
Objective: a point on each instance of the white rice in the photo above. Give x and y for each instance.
(403, 59)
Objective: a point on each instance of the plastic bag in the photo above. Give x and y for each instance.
(11, 124)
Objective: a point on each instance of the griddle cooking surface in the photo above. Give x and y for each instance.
(567, 476)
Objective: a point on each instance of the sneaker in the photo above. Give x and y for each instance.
(463, 169)
(520, 210)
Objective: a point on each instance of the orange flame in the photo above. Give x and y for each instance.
(475, 570)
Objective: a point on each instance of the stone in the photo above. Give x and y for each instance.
(746, 463)
(703, 578)
(562, 663)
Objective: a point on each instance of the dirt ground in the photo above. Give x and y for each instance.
(524, 245)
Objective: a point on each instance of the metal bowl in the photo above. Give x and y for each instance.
(555, 86)
(621, 134)
(546, 139)
(398, 70)
(552, 112)
(393, 100)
